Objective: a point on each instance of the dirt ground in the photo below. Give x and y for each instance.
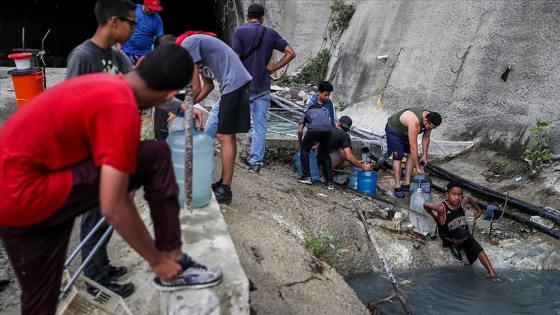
(271, 212)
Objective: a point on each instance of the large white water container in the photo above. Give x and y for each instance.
(203, 164)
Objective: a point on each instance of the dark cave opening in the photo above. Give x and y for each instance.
(72, 22)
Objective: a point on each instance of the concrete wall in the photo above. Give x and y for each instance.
(431, 36)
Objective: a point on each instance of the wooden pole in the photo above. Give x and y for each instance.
(188, 148)
(369, 231)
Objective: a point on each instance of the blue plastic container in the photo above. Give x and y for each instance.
(203, 164)
(312, 163)
(353, 180)
(367, 182)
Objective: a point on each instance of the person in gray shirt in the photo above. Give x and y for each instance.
(115, 24)
(231, 115)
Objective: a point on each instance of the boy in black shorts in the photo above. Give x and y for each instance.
(452, 225)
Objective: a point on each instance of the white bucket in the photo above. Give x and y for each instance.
(23, 60)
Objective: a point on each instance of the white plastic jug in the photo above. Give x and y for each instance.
(417, 200)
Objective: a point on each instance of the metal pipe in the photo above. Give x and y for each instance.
(82, 243)
(43, 60)
(85, 262)
(43, 41)
(515, 217)
(285, 101)
(284, 106)
(550, 214)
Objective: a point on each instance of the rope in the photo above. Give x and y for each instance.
(369, 231)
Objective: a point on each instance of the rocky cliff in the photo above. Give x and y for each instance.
(447, 56)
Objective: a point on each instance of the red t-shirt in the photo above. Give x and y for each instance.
(90, 116)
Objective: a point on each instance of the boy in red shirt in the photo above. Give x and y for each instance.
(77, 145)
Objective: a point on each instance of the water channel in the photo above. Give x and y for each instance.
(463, 290)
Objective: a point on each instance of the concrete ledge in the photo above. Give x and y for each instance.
(206, 239)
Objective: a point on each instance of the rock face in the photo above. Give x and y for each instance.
(447, 56)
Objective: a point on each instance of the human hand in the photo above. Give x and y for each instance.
(166, 268)
(477, 214)
(366, 167)
(197, 115)
(170, 119)
(270, 69)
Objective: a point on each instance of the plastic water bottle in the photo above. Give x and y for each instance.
(421, 181)
(427, 195)
(203, 164)
(312, 165)
(367, 182)
(417, 200)
(353, 180)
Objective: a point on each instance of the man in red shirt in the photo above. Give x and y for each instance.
(77, 145)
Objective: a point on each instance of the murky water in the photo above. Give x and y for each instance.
(464, 290)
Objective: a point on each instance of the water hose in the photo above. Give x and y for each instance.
(550, 214)
(516, 218)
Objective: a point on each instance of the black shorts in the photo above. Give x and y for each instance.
(235, 112)
(471, 246)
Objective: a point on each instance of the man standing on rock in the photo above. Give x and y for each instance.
(77, 145)
(254, 45)
(402, 132)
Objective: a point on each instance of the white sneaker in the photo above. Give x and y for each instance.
(192, 278)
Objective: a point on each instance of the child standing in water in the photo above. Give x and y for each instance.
(452, 225)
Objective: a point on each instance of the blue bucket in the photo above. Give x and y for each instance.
(367, 182)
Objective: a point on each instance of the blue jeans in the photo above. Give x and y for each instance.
(211, 127)
(259, 107)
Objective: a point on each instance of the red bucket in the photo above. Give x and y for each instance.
(28, 83)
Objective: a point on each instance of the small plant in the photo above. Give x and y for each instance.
(315, 70)
(538, 153)
(323, 247)
(340, 104)
(340, 17)
(148, 133)
(284, 79)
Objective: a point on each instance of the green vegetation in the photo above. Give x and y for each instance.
(538, 153)
(340, 104)
(313, 72)
(340, 17)
(323, 247)
(148, 133)
(497, 167)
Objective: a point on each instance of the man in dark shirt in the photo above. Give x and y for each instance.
(340, 145)
(254, 45)
(319, 129)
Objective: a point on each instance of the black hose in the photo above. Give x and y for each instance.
(514, 217)
(523, 206)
